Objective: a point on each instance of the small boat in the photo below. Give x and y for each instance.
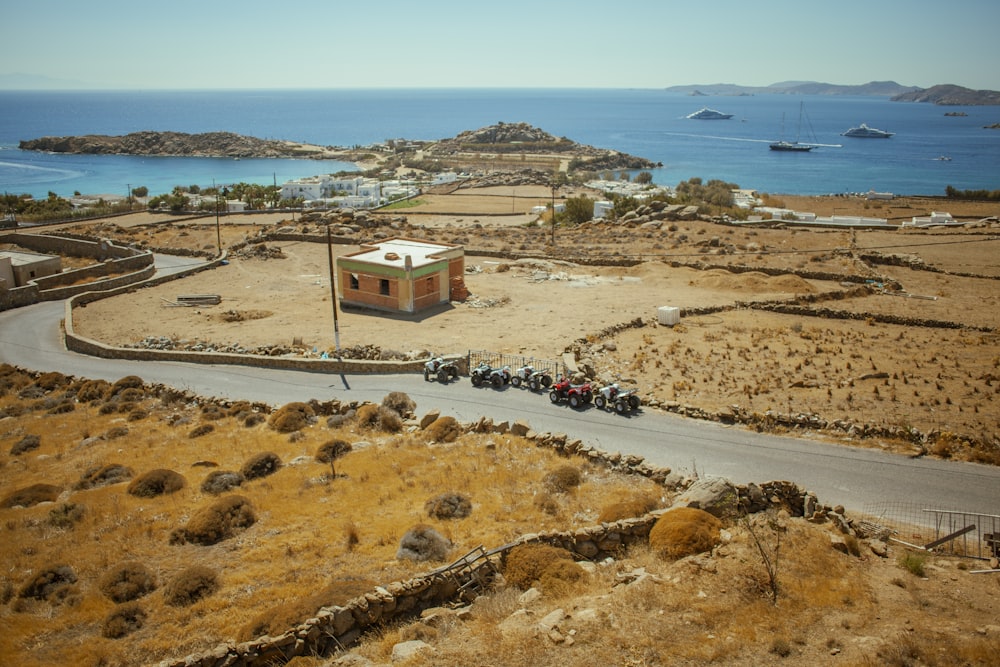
(865, 132)
(943, 158)
(709, 114)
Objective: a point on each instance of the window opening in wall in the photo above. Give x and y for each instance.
(383, 286)
(354, 281)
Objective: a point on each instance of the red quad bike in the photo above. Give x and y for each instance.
(535, 380)
(612, 396)
(577, 395)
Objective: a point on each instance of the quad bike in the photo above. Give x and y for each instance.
(577, 395)
(535, 380)
(612, 396)
(440, 369)
(484, 373)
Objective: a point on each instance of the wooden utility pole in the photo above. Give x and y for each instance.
(333, 291)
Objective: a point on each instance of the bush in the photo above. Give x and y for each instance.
(127, 382)
(220, 481)
(115, 432)
(423, 543)
(50, 584)
(627, 509)
(219, 521)
(190, 585)
(52, 380)
(156, 483)
(562, 479)
(400, 402)
(253, 419)
(542, 564)
(200, 430)
(93, 390)
(292, 417)
(261, 465)
(913, 563)
(113, 473)
(65, 515)
(127, 581)
(26, 444)
(32, 495)
(367, 415)
(444, 429)
(123, 620)
(389, 420)
(684, 531)
(450, 505)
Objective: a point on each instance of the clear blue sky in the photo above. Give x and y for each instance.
(514, 43)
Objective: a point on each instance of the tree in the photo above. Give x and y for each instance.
(140, 191)
(643, 178)
(579, 209)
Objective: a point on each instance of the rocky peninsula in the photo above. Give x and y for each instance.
(208, 144)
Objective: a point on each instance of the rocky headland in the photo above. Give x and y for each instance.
(207, 144)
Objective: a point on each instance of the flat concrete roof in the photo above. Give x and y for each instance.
(19, 258)
(422, 253)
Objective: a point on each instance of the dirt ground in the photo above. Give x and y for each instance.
(858, 370)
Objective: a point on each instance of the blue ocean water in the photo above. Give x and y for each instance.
(648, 123)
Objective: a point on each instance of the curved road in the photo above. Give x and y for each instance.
(860, 479)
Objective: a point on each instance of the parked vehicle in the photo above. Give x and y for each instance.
(484, 373)
(577, 395)
(621, 400)
(438, 368)
(535, 380)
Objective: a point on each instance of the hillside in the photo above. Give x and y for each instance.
(208, 144)
(950, 95)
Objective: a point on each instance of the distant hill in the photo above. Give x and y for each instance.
(947, 94)
(874, 88)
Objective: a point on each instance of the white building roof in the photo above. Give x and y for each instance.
(393, 252)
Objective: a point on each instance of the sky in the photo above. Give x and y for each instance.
(216, 44)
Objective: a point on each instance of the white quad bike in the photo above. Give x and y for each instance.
(440, 369)
(614, 397)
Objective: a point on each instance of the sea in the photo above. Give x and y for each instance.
(928, 152)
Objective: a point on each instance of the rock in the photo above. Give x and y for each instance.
(408, 650)
(879, 548)
(716, 495)
(429, 418)
(838, 543)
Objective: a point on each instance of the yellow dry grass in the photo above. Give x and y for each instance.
(311, 530)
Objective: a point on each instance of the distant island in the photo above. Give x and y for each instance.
(504, 144)
(945, 94)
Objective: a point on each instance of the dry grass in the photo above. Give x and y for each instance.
(311, 530)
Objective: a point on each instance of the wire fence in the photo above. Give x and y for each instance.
(516, 361)
(950, 531)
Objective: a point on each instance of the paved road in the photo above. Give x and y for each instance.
(859, 479)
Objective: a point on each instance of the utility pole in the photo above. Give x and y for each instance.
(333, 291)
(218, 230)
(553, 213)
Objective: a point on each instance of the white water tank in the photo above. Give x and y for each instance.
(668, 315)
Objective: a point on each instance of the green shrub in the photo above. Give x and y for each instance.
(127, 581)
(913, 562)
(123, 620)
(156, 482)
(190, 585)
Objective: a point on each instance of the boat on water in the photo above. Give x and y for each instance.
(709, 114)
(792, 146)
(864, 132)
